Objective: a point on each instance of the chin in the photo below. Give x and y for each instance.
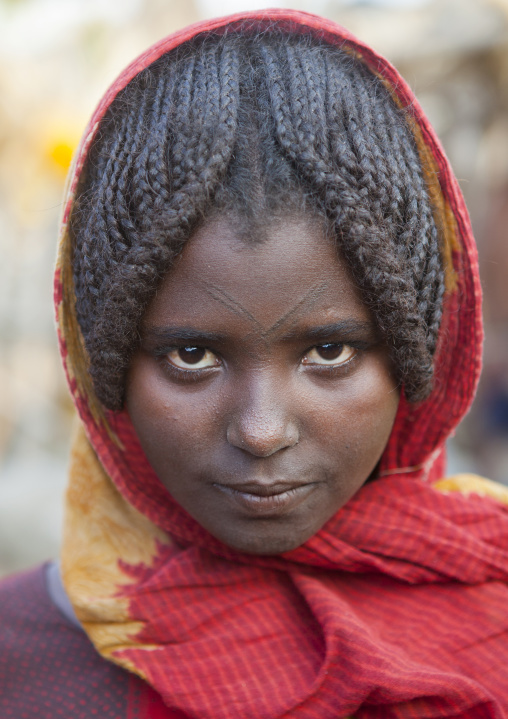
(266, 543)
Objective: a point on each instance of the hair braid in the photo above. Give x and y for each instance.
(146, 182)
(420, 234)
(113, 218)
(92, 257)
(135, 134)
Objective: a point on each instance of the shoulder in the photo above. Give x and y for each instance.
(48, 665)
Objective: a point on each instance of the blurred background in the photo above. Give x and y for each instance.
(57, 57)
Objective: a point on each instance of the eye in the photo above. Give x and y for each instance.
(332, 354)
(192, 358)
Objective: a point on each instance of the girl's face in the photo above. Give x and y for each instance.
(261, 392)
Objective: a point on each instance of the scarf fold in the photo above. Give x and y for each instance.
(395, 608)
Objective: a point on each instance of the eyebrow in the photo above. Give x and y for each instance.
(344, 329)
(172, 335)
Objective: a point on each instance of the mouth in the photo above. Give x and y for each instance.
(266, 500)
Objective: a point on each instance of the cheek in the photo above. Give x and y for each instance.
(169, 422)
(355, 421)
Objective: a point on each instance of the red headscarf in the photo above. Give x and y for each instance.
(395, 608)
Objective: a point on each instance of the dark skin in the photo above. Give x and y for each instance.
(261, 393)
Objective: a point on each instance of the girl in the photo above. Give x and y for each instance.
(269, 314)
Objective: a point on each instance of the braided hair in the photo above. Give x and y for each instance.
(252, 123)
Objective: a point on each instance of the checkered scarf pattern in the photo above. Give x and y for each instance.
(395, 608)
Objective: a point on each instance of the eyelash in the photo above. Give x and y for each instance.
(194, 375)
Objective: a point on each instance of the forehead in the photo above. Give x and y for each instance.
(291, 265)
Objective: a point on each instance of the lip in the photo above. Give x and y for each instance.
(266, 500)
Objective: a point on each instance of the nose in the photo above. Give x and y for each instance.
(262, 424)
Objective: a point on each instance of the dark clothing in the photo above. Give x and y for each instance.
(50, 669)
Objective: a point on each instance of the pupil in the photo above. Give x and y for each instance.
(330, 352)
(191, 355)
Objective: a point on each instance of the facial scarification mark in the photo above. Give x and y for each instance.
(288, 320)
(225, 299)
(293, 315)
(236, 308)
